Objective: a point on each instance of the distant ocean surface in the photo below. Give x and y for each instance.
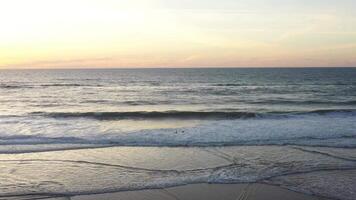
(56, 110)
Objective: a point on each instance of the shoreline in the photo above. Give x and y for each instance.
(251, 191)
(243, 173)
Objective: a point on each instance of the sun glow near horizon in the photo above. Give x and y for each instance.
(151, 33)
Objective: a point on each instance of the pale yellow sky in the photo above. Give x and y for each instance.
(177, 33)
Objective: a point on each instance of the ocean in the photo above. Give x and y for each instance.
(127, 129)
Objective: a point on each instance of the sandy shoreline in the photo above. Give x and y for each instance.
(254, 191)
(89, 173)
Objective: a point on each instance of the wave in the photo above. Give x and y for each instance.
(313, 131)
(149, 115)
(306, 102)
(327, 111)
(61, 85)
(203, 115)
(289, 84)
(44, 144)
(319, 128)
(69, 85)
(334, 128)
(228, 84)
(10, 86)
(136, 103)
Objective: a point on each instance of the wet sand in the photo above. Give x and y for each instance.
(206, 192)
(88, 173)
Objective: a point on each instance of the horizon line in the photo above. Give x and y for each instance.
(197, 67)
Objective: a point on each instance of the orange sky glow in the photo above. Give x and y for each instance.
(177, 33)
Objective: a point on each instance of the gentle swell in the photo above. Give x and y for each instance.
(185, 114)
(23, 86)
(307, 102)
(150, 115)
(327, 111)
(9, 86)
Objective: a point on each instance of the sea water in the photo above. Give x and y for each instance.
(128, 129)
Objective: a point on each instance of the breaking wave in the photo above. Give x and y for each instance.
(188, 114)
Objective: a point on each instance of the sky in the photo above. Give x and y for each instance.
(177, 33)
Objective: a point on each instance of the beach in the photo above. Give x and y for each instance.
(178, 99)
(254, 191)
(207, 192)
(250, 172)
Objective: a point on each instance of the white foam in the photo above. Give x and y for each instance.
(312, 130)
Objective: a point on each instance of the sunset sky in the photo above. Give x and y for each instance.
(177, 33)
